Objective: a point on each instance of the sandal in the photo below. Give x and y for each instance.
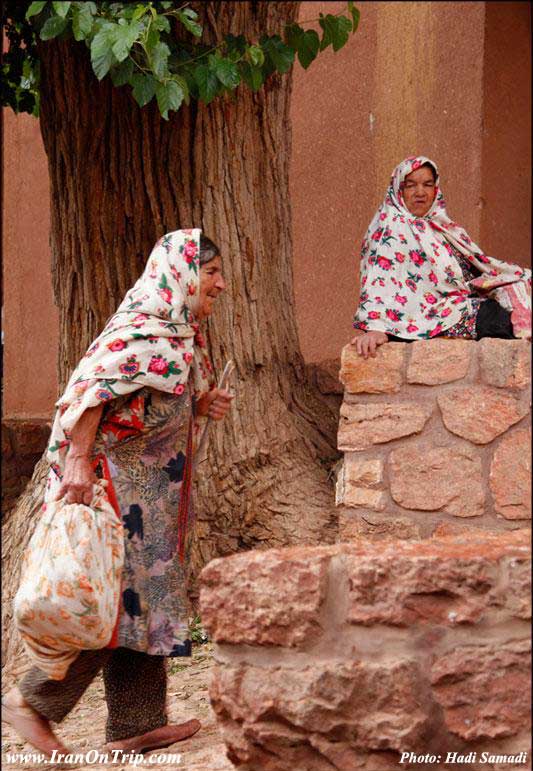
(156, 739)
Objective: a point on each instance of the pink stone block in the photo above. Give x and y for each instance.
(434, 362)
(365, 424)
(484, 689)
(375, 375)
(510, 475)
(265, 598)
(448, 581)
(427, 477)
(479, 413)
(505, 363)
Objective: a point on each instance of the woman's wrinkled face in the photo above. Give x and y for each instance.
(419, 190)
(211, 285)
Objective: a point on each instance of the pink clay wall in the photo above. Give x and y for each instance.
(425, 77)
(30, 320)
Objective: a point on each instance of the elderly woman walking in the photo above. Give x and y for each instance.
(131, 414)
(422, 276)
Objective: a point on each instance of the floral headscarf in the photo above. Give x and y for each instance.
(151, 340)
(411, 283)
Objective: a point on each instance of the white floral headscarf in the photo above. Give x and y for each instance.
(412, 285)
(151, 340)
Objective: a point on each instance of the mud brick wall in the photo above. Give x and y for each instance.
(23, 443)
(345, 656)
(435, 433)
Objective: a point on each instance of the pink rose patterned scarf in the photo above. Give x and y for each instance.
(151, 340)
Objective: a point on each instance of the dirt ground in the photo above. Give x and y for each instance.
(83, 729)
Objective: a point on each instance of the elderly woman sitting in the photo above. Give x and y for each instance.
(422, 276)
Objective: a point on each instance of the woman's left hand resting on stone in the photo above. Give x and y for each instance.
(366, 343)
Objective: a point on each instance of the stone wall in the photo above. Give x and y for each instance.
(435, 433)
(346, 656)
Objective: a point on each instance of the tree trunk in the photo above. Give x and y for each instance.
(120, 178)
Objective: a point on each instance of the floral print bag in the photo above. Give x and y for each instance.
(68, 599)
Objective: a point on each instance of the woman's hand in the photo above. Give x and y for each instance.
(214, 404)
(367, 343)
(78, 480)
(79, 477)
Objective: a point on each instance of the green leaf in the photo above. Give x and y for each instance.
(252, 76)
(208, 83)
(143, 88)
(139, 11)
(124, 36)
(152, 39)
(325, 23)
(183, 84)
(226, 71)
(82, 21)
(61, 9)
(355, 15)
(190, 13)
(100, 23)
(279, 54)
(308, 47)
(344, 27)
(336, 31)
(121, 74)
(235, 47)
(256, 56)
(187, 76)
(161, 23)
(293, 33)
(34, 9)
(188, 22)
(102, 58)
(169, 97)
(159, 59)
(53, 27)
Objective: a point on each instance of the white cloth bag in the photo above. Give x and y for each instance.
(69, 594)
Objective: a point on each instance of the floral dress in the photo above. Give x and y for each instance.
(143, 447)
(466, 326)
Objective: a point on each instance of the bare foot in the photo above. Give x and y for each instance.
(27, 722)
(159, 737)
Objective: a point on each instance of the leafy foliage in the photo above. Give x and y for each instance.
(20, 65)
(196, 631)
(155, 48)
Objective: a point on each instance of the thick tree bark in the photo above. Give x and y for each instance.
(120, 178)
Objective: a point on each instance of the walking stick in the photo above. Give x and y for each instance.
(223, 382)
